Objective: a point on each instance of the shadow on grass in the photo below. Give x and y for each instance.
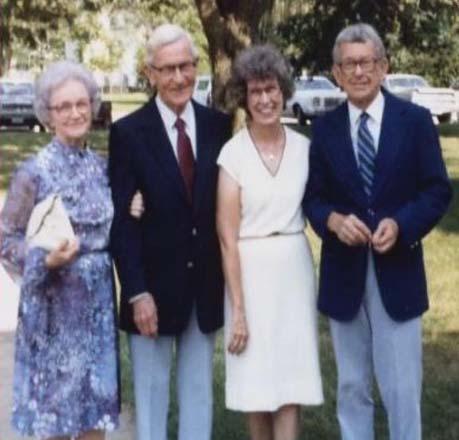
(450, 222)
(449, 130)
(17, 146)
(441, 386)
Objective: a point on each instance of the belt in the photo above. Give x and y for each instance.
(274, 234)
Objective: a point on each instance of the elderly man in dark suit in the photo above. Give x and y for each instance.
(377, 186)
(169, 261)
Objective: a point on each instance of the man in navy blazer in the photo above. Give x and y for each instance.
(377, 186)
(168, 261)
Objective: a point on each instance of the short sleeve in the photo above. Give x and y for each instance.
(229, 160)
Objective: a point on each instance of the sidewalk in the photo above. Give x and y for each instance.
(9, 297)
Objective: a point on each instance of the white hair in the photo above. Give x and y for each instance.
(53, 77)
(167, 34)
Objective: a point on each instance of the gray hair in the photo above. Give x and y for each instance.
(358, 33)
(53, 77)
(260, 62)
(167, 34)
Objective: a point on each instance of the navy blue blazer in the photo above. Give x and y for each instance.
(173, 251)
(411, 186)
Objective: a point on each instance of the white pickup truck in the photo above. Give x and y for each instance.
(443, 103)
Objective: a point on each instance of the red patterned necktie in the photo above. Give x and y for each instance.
(185, 156)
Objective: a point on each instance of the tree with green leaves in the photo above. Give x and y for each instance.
(421, 36)
(229, 25)
(221, 28)
(33, 24)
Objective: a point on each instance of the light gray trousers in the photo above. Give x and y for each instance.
(151, 365)
(374, 345)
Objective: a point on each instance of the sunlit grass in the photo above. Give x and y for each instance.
(441, 323)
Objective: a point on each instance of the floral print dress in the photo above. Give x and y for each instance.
(66, 363)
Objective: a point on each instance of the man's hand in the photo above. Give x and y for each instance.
(146, 316)
(137, 206)
(349, 229)
(385, 236)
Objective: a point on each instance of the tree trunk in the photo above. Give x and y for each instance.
(229, 25)
(5, 38)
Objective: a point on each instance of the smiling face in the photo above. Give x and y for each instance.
(264, 101)
(174, 74)
(70, 112)
(360, 72)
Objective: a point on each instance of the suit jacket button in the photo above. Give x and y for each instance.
(190, 265)
(194, 232)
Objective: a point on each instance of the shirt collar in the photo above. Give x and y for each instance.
(169, 117)
(70, 150)
(374, 110)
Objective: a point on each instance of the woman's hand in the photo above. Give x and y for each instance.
(63, 254)
(137, 207)
(239, 333)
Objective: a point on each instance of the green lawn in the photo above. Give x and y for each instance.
(125, 102)
(441, 323)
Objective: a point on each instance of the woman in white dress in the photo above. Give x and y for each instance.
(272, 362)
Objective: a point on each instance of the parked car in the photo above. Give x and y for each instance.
(313, 96)
(203, 90)
(16, 105)
(443, 103)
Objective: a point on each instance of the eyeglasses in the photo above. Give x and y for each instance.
(65, 109)
(256, 93)
(168, 71)
(366, 65)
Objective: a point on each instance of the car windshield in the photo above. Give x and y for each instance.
(314, 84)
(408, 82)
(16, 88)
(4, 87)
(203, 84)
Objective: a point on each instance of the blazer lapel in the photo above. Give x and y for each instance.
(160, 146)
(390, 141)
(204, 158)
(343, 153)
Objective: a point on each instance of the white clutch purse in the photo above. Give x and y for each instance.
(49, 224)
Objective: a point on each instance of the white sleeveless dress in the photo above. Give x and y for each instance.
(280, 364)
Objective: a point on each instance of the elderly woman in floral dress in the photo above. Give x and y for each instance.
(66, 368)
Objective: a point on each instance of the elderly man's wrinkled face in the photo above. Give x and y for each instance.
(360, 72)
(70, 112)
(174, 74)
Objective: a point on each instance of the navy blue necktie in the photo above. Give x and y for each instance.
(366, 153)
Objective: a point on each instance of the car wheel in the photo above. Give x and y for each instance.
(299, 114)
(445, 118)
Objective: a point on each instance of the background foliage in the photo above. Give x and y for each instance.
(422, 36)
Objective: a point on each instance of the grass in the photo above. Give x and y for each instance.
(125, 103)
(441, 323)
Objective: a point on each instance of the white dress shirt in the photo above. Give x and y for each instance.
(169, 118)
(375, 113)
